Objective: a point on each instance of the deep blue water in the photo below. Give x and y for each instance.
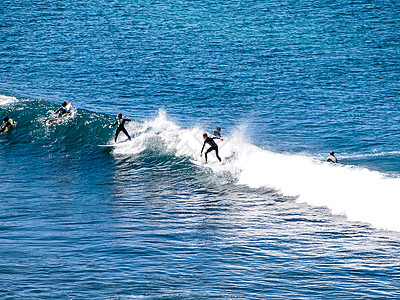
(287, 81)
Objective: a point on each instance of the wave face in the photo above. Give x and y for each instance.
(358, 193)
(79, 129)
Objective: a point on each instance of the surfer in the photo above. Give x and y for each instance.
(63, 110)
(214, 146)
(217, 133)
(332, 157)
(120, 121)
(60, 113)
(7, 123)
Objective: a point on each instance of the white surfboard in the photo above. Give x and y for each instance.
(199, 163)
(115, 145)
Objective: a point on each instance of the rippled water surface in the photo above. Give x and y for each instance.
(287, 81)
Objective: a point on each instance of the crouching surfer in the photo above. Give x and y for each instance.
(332, 158)
(121, 127)
(6, 125)
(214, 146)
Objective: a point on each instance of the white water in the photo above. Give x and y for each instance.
(5, 100)
(360, 194)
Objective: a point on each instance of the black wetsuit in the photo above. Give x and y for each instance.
(5, 125)
(120, 128)
(217, 134)
(213, 145)
(61, 111)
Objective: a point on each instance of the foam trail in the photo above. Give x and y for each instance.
(368, 155)
(360, 194)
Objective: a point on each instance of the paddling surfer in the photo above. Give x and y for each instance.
(60, 113)
(63, 110)
(7, 123)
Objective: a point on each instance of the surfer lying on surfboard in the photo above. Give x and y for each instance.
(214, 146)
(7, 124)
(60, 113)
(63, 110)
(120, 121)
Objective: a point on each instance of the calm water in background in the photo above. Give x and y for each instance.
(288, 81)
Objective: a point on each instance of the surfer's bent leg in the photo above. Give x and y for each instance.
(209, 150)
(216, 153)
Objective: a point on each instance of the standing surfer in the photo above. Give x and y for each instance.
(120, 121)
(214, 146)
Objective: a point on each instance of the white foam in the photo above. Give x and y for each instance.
(5, 100)
(368, 155)
(360, 194)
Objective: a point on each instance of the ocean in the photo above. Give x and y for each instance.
(287, 81)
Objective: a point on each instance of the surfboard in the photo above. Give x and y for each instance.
(115, 145)
(199, 163)
(54, 121)
(108, 146)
